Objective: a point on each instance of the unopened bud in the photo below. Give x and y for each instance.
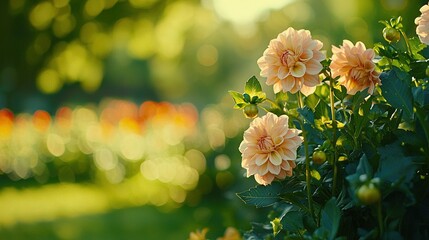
(250, 111)
(391, 34)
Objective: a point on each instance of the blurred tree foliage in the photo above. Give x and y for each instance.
(57, 52)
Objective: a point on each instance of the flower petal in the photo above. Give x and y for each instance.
(298, 70)
(274, 169)
(288, 83)
(275, 158)
(313, 67)
(260, 159)
(306, 90)
(263, 169)
(306, 55)
(283, 72)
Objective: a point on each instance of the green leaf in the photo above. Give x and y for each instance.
(246, 97)
(340, 93)
(416, 45)
(364, 167)
(359, 98)
(397, 90)
(322, 110)
(262, 196)
(311, 101)
(307, 114)
(281, 97)
(238, 97)
(331, 215)
(260, 97)
(392, 235)
(394, 166)
(419, 96)
(292, 221)
(258, 231)
(418, 68)
(322, 91)
(240, 105)
(252, 86)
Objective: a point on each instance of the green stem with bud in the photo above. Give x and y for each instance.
(334, 136)
(307, 162)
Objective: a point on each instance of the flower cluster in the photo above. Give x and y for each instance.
(292, 63)
(358, 136)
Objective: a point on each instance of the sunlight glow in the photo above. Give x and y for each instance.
(239, 12)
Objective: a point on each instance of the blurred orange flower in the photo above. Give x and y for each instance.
(41, 120)
(231, 234)
(198, 235)
(355, 67)
(422, 23)
(291, 62)
(269, 148)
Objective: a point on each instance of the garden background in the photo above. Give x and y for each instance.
(115, 118)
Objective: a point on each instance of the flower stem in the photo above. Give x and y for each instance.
(407, 42)
(380, 219)
(334, 136)
(307, 162)
(421, 118)
(274, 103)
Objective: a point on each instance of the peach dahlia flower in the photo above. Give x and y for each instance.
(291, 63)
(354, 64)
(269, 148)
(422, 22)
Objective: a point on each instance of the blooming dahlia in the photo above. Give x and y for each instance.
(291, 63)
(422, 22)
(354, 64)
(269, 148)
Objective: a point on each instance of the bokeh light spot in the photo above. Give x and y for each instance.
(142, 43)
(49, 82)
(207, 55)
(396, 5)
(16, 5)
(222, 162)
(196, 160)
(42, 14)
(55, 145)
(60, 3)
(63, 25)
(232, 10)
(42, 43)
(94, 7)
(142, 3)
(132, 147)
(105, 159)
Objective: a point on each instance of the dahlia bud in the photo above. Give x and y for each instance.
(368, 194)
(250, 110)
(391, 34)
(319, 156)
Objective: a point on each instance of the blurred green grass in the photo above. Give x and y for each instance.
(145, 222)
